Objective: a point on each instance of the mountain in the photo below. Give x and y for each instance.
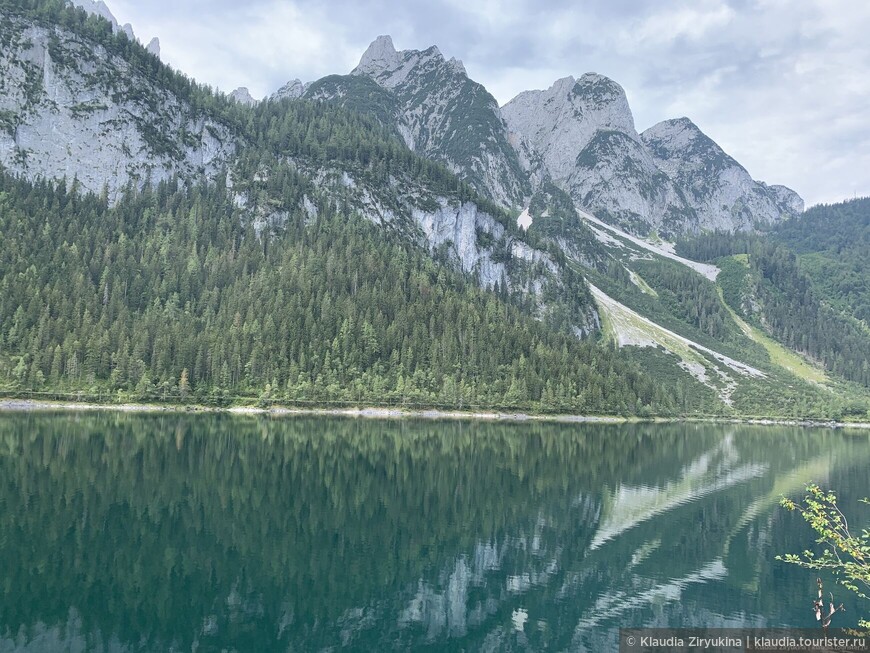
(671, 179)
(76, 102)
(720, 190)
(579, 135)
(99, 109)
(291, 90)
(440, 113)
(583, 133)
(391, 234)
(243, 96)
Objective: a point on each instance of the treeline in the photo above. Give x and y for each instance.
(323, 134)
(171, 292)
(788, 304)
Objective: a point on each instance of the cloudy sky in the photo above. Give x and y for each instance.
(781, 85)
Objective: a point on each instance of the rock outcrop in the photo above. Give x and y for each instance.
(292, 90)
(70, 109)
(154, 47)
(719, 189)
(243, 96)
(444, 115)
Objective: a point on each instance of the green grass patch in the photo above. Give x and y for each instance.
(779, 354)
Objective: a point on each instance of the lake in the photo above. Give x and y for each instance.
(123, 532)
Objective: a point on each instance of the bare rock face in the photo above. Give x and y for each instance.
(444, 115)
(154, 47)
(380, 58)
(292, 89)
(582, 134)
(559, 123)
(243, 96)
(672, 179)
(720, 190)
(69, 109)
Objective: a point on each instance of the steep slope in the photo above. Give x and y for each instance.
(832, 243)
(583, 133)
(672, 179)
(170, 294)
(78, 102)
(718, 188)
(363, 95)
(765, 284)
(83, 103)
(448, 117)
(368, 171)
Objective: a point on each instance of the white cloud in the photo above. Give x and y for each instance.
(693, 21)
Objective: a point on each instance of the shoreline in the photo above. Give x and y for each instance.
(30, 405)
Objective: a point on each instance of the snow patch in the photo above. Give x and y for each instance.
(525, 220)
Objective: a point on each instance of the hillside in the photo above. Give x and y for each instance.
(339, 246)
(832, 243)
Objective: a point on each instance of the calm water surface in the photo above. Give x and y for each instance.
(218, 533)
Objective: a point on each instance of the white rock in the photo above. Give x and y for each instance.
(293, 89)
(559, 122)
(154, 47)
(723, 194)
(79, 126)
(381, 55)
(243, 96)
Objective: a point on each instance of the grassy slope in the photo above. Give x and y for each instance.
(792, 386)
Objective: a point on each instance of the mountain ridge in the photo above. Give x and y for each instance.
(406, 149)
(579, 133)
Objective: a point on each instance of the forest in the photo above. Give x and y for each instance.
(779, 292)
(233, 289)
(170, 294)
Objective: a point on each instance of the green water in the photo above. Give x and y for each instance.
(217, 533)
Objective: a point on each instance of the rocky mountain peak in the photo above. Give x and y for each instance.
(562, 86)
(600, 89)
(681, 140)
(154, 47)
(292, 89)
(243, 96)
(457, 65)
(718, 188)
(443, 114)
(381, 55)
(391, 68)
(559, 122)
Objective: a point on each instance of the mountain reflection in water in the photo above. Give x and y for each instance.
(150, 533)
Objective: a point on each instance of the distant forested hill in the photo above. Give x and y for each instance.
(833, 243)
